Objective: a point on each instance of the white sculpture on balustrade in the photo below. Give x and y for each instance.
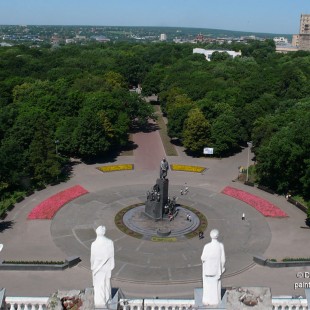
(213, 261)
(102, 264)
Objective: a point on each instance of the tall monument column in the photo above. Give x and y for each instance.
(158, 197)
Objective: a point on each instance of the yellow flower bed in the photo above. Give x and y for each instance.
(112, 168)
(161, 239)
(187, 168)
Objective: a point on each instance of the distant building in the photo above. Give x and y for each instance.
(280, 40)
(200, 38)
(295, 40)
(283, 46)
(208, 53)
(304, 32)
(100, 38)
(70, 41)
(4, 44)
(163, 37)
(80, 38)
(284, 49)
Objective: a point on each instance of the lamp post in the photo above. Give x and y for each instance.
(247, 170)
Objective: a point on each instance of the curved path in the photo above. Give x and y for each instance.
(144, 268)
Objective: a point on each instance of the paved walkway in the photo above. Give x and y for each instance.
(70, 232)
(150, 150)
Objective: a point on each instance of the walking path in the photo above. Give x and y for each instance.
(150, 150)
(143, 268)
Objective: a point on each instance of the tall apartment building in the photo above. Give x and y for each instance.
(304, 32)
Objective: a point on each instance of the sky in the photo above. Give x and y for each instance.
(270, 16)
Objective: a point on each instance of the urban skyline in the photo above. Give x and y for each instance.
(277, 16)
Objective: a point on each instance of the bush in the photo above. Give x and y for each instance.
(292, 259)
(21, 262)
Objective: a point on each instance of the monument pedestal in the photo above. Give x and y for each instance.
(198, 293)
(156, 201)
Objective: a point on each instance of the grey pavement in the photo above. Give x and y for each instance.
(145, 268)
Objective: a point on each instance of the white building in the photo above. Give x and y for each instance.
(208, 53)
(280, 40)
(163, 37)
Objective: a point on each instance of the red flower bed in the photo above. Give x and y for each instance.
(263, 206)
(48, 208)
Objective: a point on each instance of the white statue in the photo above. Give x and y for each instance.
(102, 264)
(213, 261)
(1, 247)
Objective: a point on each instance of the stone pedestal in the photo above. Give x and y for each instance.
(82, 300)
(154, 207)
(198, 292)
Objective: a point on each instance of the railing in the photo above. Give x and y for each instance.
(157, 304)
(26, 303)
(289, 303)
(40, 303)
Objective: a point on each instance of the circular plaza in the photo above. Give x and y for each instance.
(161, 260)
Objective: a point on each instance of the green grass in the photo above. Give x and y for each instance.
(118, 220)
(202, 226)
(302, 201)
(168, 146)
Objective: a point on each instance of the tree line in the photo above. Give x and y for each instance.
(75, 99)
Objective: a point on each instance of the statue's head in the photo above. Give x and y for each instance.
(164, 159)
(100, 231)
(214, 234)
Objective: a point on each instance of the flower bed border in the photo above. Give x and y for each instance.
(118, 220)
(269, 263)
(68, 263)
(187, 168)
(250, 201)
(113, 168)
(47, 209)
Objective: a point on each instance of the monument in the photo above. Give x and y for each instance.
(157, 198)
(213, 261)
(102, 264)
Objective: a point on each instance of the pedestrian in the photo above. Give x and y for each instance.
(201, 236)
(243, 217)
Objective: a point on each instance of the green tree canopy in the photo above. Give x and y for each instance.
(196, 132)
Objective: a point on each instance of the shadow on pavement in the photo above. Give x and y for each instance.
(6, 225)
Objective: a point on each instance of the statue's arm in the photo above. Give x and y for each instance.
(223, 259)
(204, 255)
(91, 259)
(112, 260)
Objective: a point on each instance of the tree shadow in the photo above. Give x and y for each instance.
(111, 156)
(176, 141)
(146, 128)
(4, 225)
(102, 158)
(129, 147)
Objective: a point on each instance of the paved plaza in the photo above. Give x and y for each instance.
(145, 268)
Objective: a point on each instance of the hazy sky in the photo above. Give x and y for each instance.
(274, 16)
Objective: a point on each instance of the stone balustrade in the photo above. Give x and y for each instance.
(40, 303)
(157, 304)
(289, 303)
(26, 303)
